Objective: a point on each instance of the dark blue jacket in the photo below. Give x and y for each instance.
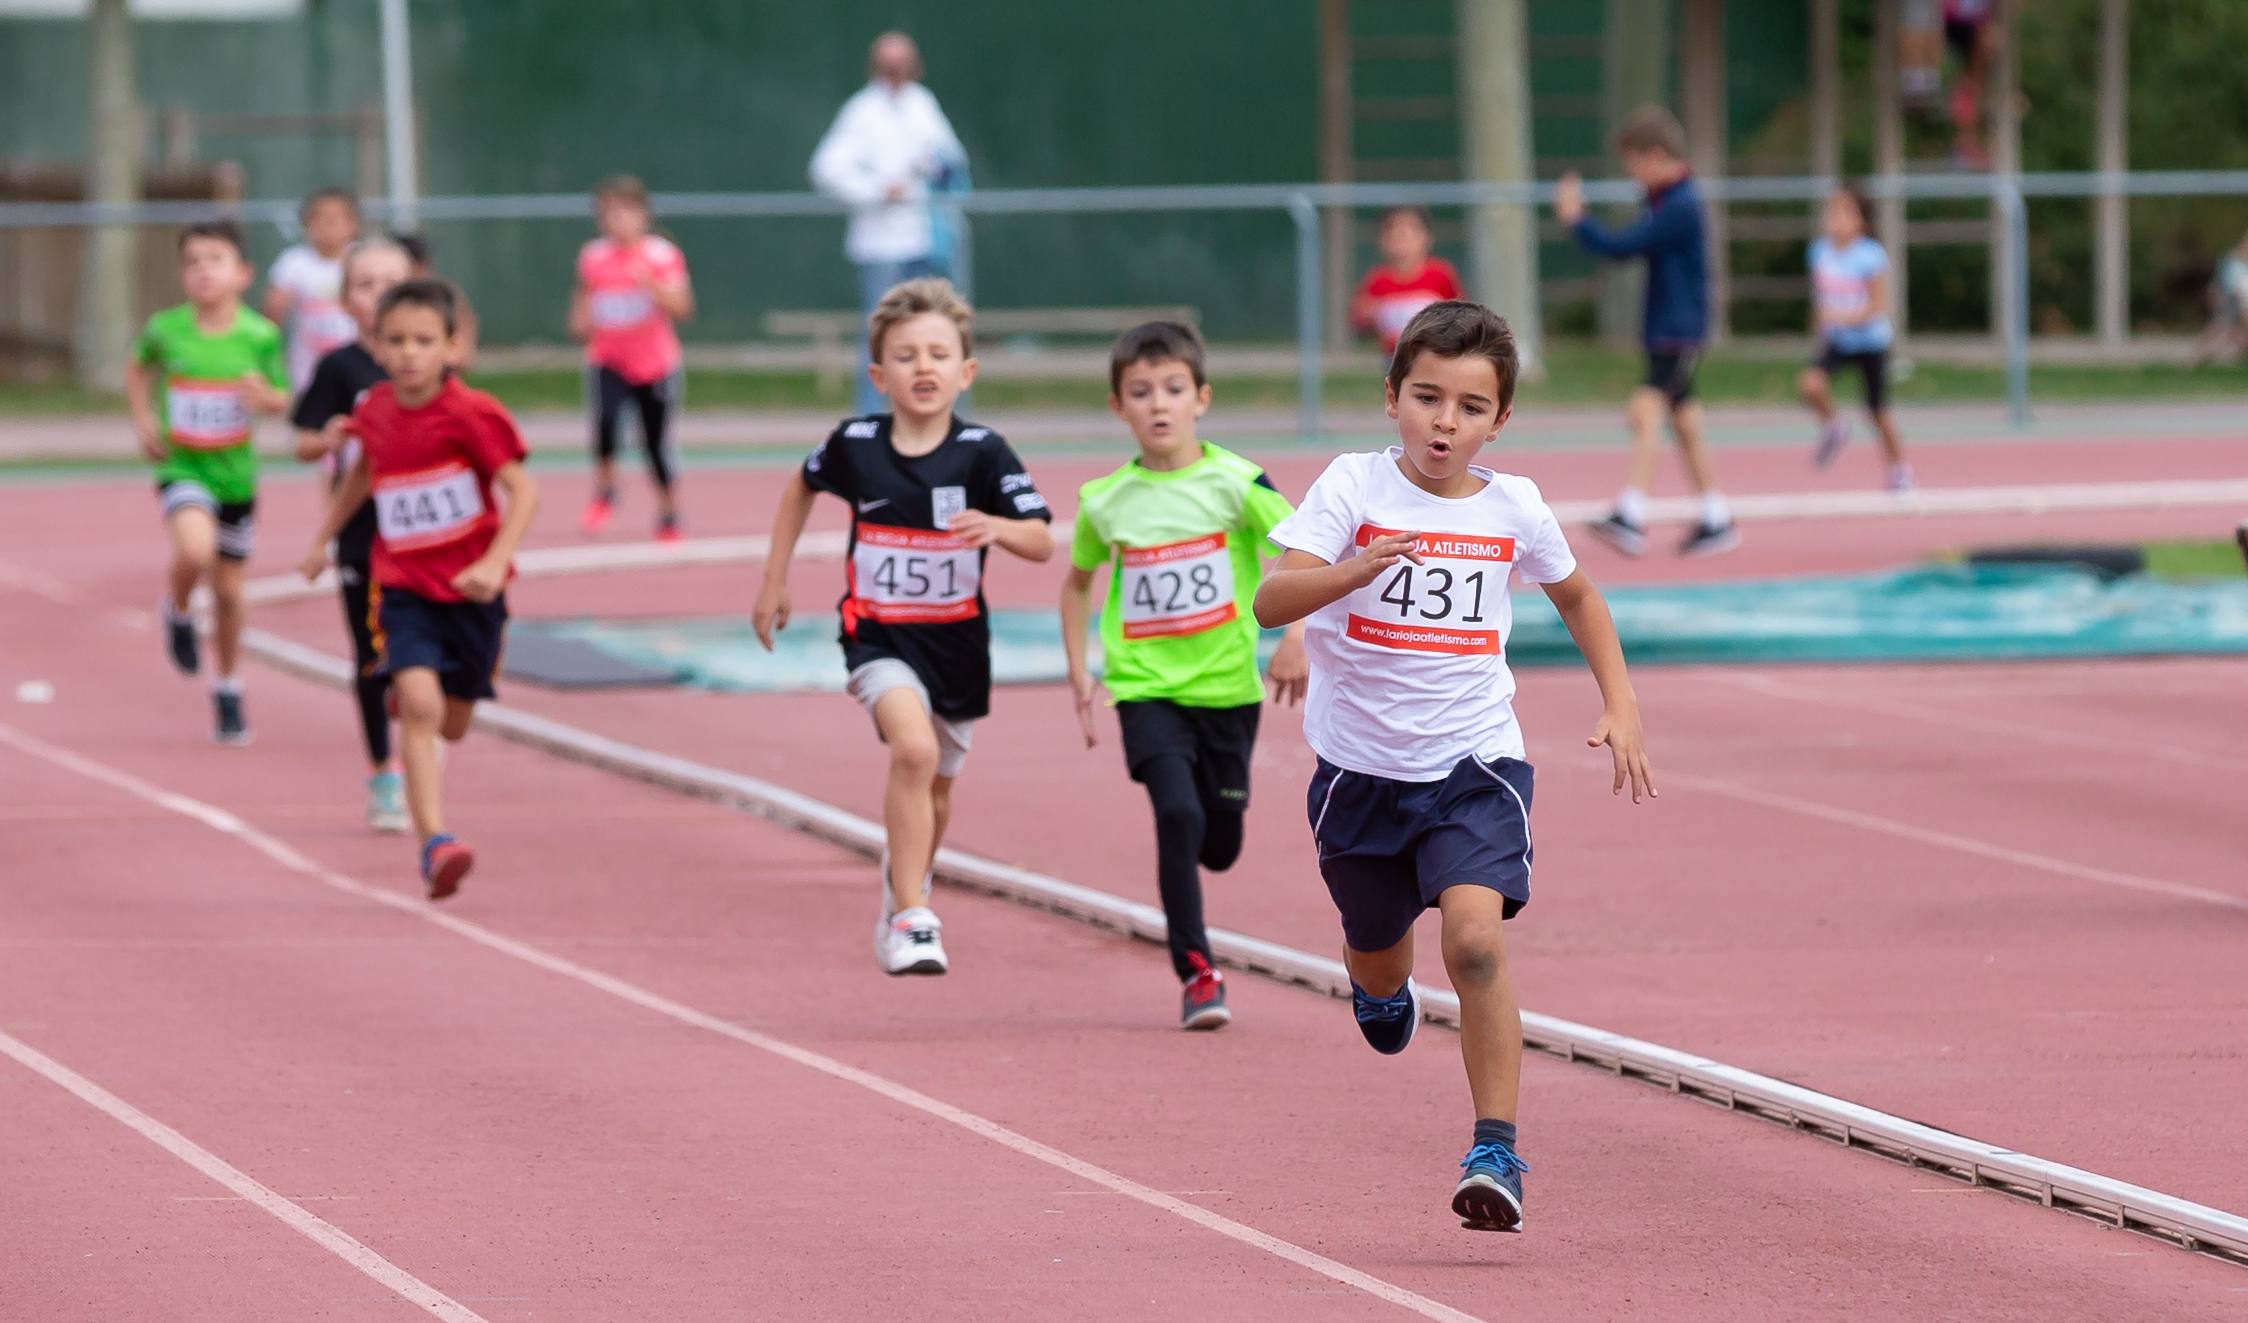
(1669, 235)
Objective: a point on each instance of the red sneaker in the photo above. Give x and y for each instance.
(445, 862)
(668, 532)
(597, 512)
(1202, 1004)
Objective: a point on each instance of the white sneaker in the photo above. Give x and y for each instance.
(1832, 438)
(912, 942)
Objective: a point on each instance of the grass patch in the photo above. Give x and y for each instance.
(2194, 560)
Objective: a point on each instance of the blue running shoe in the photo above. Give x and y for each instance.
(1387, 1022)
(1489, 1197)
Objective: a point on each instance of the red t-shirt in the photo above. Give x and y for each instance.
(1388, 301)
(431, 469)
(632, 337)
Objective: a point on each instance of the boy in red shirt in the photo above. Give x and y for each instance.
(1408, 280)
(632, 288)
(432, 452)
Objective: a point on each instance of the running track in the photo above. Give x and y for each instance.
(1921, 888)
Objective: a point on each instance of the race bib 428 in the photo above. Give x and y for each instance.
(1449, 603)
(1177, 588)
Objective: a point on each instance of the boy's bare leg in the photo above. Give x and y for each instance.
(421, 713)
(1817, 392)
(1686, 424)
(908, 802)
(1644, 416)
(459, 713)
(227, 615)
(1381, 973)
(1490, 1019)
(195, 542)
(1892, 444)
(940, 805)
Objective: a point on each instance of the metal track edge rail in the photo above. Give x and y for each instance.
(2181, 1222)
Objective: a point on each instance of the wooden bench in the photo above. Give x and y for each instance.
(835, 335)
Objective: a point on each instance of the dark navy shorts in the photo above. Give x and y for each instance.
(1388, 848)
(461, 641)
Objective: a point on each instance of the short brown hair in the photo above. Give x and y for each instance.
(1155, 342)
(1457, 328)
(1652, 129)
(225, 231)
(909, 300)
(436, 295)
(623, 188)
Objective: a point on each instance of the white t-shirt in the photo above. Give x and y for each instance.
(882, 137)
(1409, 673)
(317, 322)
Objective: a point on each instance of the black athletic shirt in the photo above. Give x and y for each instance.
(342, 376)
(911, 591)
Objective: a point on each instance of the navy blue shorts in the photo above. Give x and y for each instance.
(1388, 848)
(461, 641)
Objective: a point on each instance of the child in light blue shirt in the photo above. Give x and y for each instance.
(1850, 322)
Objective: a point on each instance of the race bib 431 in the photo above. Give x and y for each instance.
(206, 415)
(914, 576)
(1448, 603)
(429, 507)
(1178, 588)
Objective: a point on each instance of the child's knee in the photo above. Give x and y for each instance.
(1475, 960)
(1181, 818)
(1811, 383)
(914, 755)
(420, 706)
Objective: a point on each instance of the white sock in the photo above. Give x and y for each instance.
(1715, 512)
(226, 684)
(1631, 503)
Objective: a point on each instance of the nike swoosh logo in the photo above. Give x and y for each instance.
(865, 506)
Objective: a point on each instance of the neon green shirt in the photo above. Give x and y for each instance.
(1185, 551)
(199, 404)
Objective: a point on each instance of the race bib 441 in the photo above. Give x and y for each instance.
(429, 507)
(1448, 603)
(1177, 588)
(915, 576)
(206, 415)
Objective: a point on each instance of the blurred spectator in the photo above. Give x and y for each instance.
(1408, 280)
(889, 148)
(2226, 336)
(1971, 29)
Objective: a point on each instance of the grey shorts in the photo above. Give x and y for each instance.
(882, 675)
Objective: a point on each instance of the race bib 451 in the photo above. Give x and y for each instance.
(914, 576)
(429, 507)
(1446, 604)
(1177, 588)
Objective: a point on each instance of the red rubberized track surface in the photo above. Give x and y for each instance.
(2002, 899)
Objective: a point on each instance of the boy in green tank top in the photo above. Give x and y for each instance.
(1182, 529)
(199, 373)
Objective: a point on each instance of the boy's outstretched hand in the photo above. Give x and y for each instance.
(315, 561)
(1290, 671)
(481, 582)
(1569, 199)
(1086, 691)
(771, 614)
(1627, 744)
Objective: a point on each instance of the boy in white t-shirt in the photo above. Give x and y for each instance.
(1401, 561)
(304, 289)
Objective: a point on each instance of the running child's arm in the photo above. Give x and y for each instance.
(349, 495)
(140, 403)
(1303, 583)
(1077, 618)
(771, 615)
(486, 579)
(1030, 539)
(265, 388)
(673, 296)
(1585, 612)
(580, 321)
(1290, 671)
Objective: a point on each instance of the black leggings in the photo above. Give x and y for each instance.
(371, 689)
(1189, 831)
(611, 393)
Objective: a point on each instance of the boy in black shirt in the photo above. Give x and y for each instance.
(370, 268)
(929, 496)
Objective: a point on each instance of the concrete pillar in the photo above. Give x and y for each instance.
(1703, 90)
(2111, 216)
(113, 163)
(1889, 158)
(2003, 120)
(1337, 152)
(1495, 134)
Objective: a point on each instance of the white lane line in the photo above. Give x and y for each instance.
(287, 856)
(2025, 499)
(325, 1234)
(1945, 840)
(1952, 719)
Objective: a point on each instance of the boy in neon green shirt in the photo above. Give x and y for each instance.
(1182, 528)
(199, 373)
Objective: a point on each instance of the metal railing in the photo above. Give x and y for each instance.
(1305, 205)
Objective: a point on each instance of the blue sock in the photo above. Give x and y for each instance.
(446, 838)
(1495, 1132)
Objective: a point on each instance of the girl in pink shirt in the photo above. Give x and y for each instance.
(631, 291)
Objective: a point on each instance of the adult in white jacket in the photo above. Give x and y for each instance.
(888, 145)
